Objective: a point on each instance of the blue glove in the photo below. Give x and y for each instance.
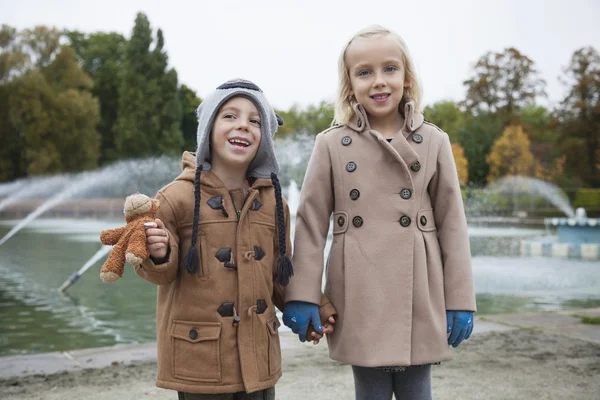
(298, 314)
(460, 326)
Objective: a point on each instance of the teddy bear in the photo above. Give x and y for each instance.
(129, 241)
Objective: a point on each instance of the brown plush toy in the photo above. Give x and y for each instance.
(129, 241)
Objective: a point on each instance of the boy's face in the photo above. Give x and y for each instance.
(235, 134)
(376, 73)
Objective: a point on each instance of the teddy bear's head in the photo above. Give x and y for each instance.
(138, 204)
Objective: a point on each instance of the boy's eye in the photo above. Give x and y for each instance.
(229, 116)
(255, 121)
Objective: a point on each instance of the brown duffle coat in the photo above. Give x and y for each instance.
(201, 346)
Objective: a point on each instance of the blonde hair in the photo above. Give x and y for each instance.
(344, 110)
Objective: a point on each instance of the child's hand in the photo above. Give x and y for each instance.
(327, 329)
(157, 238)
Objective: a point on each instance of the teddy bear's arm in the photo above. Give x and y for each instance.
(136, 247)
(110, 237)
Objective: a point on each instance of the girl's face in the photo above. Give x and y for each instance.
(236, 133)
(376, 74)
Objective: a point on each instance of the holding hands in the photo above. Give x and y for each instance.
(298, 315)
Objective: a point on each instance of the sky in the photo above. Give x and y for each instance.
(291, 48)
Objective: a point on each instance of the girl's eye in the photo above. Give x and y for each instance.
(363, 73)
(229, 116)
(390, 69)
(255, 121)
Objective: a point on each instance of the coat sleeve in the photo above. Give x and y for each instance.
(326, 309)
(166, 272)
(312, 224)
(453, 237)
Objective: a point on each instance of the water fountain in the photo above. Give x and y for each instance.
(37, 260)
(577, 237)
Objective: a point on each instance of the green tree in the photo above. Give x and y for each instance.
(477, 138)
(149, 112)
(447, 116)
(503, 82)
(102, 56)
(53, 108)
(189, 121)
(311, 121)
(22, 55)
(13, 61)
(579, 117)
(510, 155)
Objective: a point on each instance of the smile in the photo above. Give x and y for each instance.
(239, 142)
(380, 96)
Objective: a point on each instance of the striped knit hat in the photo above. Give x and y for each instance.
(264, 164)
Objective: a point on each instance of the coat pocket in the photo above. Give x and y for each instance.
(340, 222)
(425, 220)
(196, 351)
(273, 325)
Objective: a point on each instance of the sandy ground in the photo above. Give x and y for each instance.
(516, 364)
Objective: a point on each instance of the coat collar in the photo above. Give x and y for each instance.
(412, 119)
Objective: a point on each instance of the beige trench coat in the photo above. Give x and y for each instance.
(400, 255)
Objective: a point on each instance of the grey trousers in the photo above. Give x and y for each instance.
(414, 383)
(267, 394)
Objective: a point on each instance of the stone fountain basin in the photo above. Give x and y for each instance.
(574, 230)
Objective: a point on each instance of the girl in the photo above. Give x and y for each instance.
(399, 270)
(219, 255)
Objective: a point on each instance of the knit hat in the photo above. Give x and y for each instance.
(264, 164)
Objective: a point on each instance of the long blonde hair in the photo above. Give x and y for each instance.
(344, 111)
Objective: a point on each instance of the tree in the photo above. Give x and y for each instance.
(503, 82)
(541, 128)
(462, 164)
(189, 121)
(57, 115)
(580, 117)
(510, 155)
(476, 138)
(28, 88)
(311, 121)
(447, 116)
(102, 55)
(149, 112)
(13, 61)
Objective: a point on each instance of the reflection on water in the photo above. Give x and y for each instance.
(35, 317)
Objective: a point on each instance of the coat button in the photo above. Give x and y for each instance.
(405, 221)
(346, 140)
(416, 166)
(354, 194)
(423, 220)
(405, 194)
(341, 221)
(351, 166)
(193, 334)
(357, 221)
(417, 138)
